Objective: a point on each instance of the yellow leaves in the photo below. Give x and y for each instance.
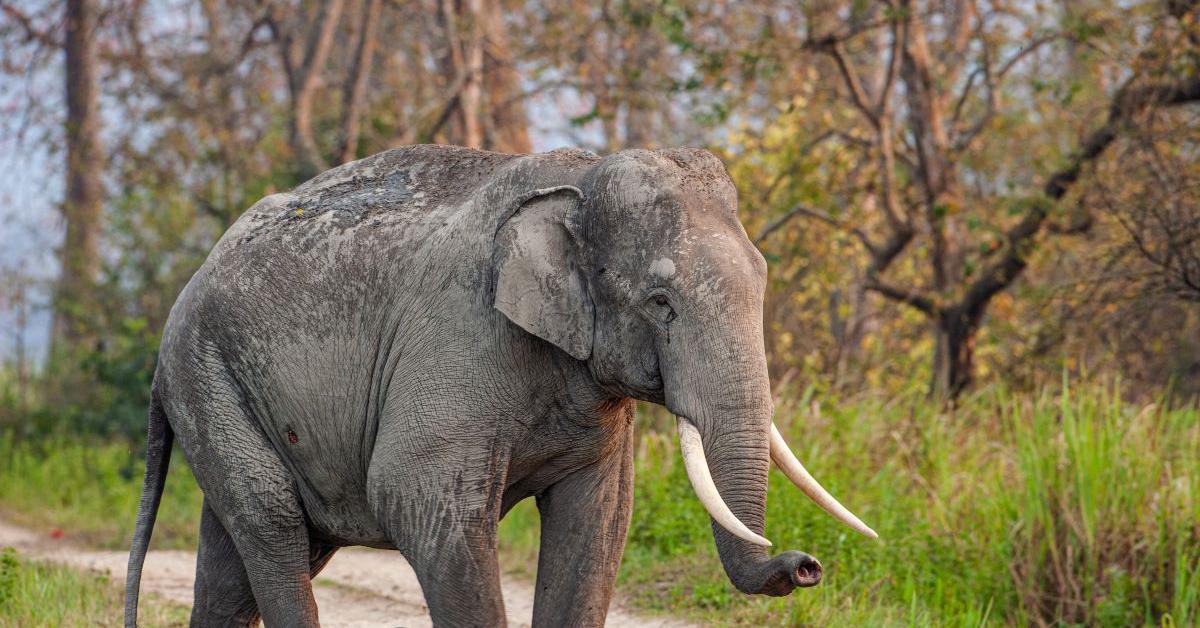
(982, 368)
(1002, 305)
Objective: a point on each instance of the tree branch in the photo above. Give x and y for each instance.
(832, 46)
(910, 298)
(354, 89)
(27, 26)
(304, 76)
(800, 209)
(1127, 103)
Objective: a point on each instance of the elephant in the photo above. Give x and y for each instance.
(399, 350)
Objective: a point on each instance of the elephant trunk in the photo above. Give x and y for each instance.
(734, 459)
(728, 441)
(724, 410)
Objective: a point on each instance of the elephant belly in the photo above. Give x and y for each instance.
(320, 437)
(339, 514)
(346, 524)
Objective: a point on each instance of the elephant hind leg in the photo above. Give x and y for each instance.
(252, 495)
(223, 593)
(224, 596)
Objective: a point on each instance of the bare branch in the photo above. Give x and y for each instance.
(29, 28)
(910, 298)
(800, 209)
(990, 80)
(354, 89)
(899, 35)
(304, 76)
(833, 47)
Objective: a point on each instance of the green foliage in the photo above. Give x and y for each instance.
(1068, 507)
(90, 488)
(37, 594)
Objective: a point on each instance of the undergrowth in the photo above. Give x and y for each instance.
(1070, 506)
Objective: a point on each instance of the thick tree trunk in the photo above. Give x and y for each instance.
(954, 354)
(507, 126)
(79, 256)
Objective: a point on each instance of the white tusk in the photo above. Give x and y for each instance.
(791, 467)
(697, 470)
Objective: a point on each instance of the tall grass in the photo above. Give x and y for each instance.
(1066, 507)
(1070, 506)
(37, 594)
(91, 490)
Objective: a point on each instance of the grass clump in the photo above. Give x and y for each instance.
(39, 594)
(91, 491)
(1069, 507)
(1066, 507)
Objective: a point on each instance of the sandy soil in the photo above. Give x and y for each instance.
(360, 587)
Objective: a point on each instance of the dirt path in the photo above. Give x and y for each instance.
(360, 587)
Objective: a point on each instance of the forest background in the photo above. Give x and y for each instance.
(981, 218)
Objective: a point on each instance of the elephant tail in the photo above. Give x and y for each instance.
(158, 458)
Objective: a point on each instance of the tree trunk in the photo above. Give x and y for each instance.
(463, 59)
(507, 126)
(642, 107)
(304, 67)
(79, 256)
(354, 89)
(857, 325)
(954, 354)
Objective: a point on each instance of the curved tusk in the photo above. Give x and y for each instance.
(692, 449)
(791, 467)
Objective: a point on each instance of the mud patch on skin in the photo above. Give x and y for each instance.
(355, 196)
(381, 191)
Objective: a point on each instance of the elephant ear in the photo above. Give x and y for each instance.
(538, 283)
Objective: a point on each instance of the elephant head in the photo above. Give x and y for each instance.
(643, 270)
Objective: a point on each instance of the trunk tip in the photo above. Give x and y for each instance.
(807, 572)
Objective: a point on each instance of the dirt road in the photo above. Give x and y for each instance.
(360, 587)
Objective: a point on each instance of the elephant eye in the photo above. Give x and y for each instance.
(664, 312)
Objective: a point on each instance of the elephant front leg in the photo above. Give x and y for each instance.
(460, 578)
(447, 532)
(584, 521)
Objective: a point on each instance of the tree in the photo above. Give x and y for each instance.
(915, 127)
(478, 70)
(304, 39)
(1161, 215)
(80, 254)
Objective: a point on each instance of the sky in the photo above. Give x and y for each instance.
(31, 186)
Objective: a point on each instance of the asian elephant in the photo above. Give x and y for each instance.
(397, 351)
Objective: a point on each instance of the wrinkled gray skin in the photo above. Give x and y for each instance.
(401, 349)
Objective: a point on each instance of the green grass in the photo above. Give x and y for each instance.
(91, 491)
(1069, 507)
(38, 594)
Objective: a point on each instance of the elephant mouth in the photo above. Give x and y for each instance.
(653, 375)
